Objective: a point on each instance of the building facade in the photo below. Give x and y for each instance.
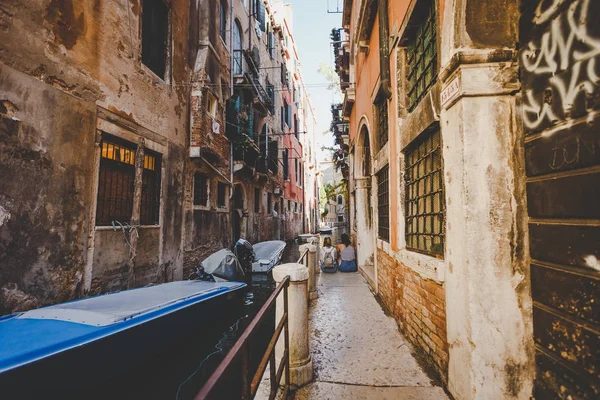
(138, 137)
(92, 156)
(469, 122)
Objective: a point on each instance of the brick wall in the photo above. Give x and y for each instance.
(419, 307)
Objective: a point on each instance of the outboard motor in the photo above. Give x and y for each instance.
(245, 254)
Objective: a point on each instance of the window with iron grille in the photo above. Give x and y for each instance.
(422, 54)
(201, 183)
(116, 183)
(383, 203)
(425, 195)
(381, 105)
(155, 31)
(221, 195)
(150, 207)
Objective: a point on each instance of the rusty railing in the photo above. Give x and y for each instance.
(304, 258)
(225, 372)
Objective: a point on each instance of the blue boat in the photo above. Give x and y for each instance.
(77, 344)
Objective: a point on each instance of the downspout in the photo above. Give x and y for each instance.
(384, 48)
(231, 62)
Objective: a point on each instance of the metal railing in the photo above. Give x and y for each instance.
(304, 258)
(225, 372)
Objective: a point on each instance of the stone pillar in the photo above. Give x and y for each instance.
(365, 237)
(301, 368)
(487, 286)
(311, 265)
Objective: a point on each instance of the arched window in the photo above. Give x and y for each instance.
(340, 199)
(238, 68)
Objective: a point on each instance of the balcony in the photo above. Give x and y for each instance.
(245, 68)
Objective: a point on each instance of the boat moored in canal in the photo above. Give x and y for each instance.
(73, 346)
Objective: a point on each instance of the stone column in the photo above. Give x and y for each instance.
(311, 265)
(487, 284)
(365, 237)
(301, 368)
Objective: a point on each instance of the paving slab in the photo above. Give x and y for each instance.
(352, 339)
(331, 391)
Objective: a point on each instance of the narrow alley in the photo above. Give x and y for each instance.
(357, 350)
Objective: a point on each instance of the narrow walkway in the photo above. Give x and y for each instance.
(358, 352)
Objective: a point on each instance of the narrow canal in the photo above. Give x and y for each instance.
(181, 373)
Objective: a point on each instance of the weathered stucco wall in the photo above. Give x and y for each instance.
(487, 275)
(60, 62)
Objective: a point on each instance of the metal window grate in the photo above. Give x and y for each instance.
(383, 203)
(382, 120)
(425, 211)
(116, 180)
(422, 57)
(150, 206)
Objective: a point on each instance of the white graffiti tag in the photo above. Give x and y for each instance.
(566, 46)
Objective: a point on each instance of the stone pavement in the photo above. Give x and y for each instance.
(358, 352)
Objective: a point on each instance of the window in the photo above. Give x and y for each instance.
(150, 207)
(422, 54)
(340, 199)
(269, 202)
(223, 21)
(211, 105)
(296, 172)
(425, 195)
(296, 127)
(340, 218)
(257, 198)
(201, 183)
(286, 166)
(273, 156)
(289, 205)
(260, 13)
(383, 203)
(221, 195)
(155, 32)
(116, 183)
(381, 104)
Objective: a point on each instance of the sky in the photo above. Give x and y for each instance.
(312, 27)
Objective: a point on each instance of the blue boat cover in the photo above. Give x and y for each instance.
(36, 334)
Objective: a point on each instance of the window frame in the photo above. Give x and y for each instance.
(413, 203)
(383, 203)
(421, 71)
(223, 21)
(151, 176)
(207, 184)
(166, 76)
(223, 205)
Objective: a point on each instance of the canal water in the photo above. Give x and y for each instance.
(181, 373)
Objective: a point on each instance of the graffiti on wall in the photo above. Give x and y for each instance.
(565, 58)
(560, 75)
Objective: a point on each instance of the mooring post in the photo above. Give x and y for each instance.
(301, 367)
(311, 265)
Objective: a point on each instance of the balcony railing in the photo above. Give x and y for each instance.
(244, 66)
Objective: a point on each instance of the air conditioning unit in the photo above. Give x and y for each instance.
(216, 127)
(277, 191)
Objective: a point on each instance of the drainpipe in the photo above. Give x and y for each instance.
(384, 48)
(231, 64)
